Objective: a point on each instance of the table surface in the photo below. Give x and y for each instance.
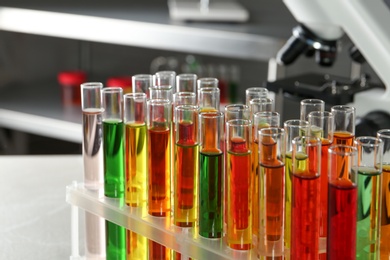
(35, 220)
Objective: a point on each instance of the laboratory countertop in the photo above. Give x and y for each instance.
(35, 220)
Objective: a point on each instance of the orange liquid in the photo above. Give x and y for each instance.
(343, 137)
(385, 214)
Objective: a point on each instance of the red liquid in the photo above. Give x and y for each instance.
(305, 216)
(158, 251)
(239, 191)
(324, 188)
(341, 242)
(159, 171)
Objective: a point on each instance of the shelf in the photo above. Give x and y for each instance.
(37, 109)
(182, 240)
(147, 24)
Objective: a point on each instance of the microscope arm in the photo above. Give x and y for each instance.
(366, 22)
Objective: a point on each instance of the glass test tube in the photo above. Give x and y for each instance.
(236, 111)
(92, 148)
(208, 82)
(344, 124)
(261, 120)
(211, 175)
(384, 135)
(292, 128)
(321, 126)
(305, 213)
(141, 83)
(159, 153)
(370, 150)
(208, 99)
(186, 82)
(310, 105)
(186, 166)
(136, 166)
(184, 98)
(342, 202)
(271, 190)
(161, 92)
(114, 171)
(261, 104)
(135, 114)
(238, 172)
(255, 92)
(165, 78)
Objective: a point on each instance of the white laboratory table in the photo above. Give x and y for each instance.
(35, 220)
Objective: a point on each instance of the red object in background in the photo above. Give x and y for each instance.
(70, 82)
(123, 82)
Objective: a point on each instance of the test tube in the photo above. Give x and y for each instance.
(271, 190)
(261, 104)
(261, 120)
(239, 203)
(136, 166)
(211, 175)
(236, 111)
(255, 92)
(208, 99)
(184, 98)
(292, 128)
(321, 126)
(305, 213)
(342, 202)
(384, 135)
(159, 153)
(186, 166)
(92, 150)
(207, 82)
(186, 82)
(142, 83)
(114, 172)
(369, 150)
(344, 124)
(135, 148)
(161, 92)
(165, 78)
(310, 105)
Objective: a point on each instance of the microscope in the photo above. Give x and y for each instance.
(322, 23)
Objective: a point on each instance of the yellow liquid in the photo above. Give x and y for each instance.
(136, 164)
(137, 246)
(288, 200)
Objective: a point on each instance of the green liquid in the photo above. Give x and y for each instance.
(115, 242)
(210, 195)
(288, 200)
(369, 187)
(114, 173)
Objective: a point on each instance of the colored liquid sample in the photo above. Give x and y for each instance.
(114, 174)
(288, 200)
(368, 217)
(159, 165)
(305, 211)
(115, 241)
(255, 187)
(343, 138)
(325, 144)
(342, 211)
(137, 246)
(93, 148)
(158, 251)
(385, 213)
(136, 164)
(239, 226)
(186, 176)
(272, 197)
(210, 194)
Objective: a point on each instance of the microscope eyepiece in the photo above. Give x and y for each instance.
(304, 41)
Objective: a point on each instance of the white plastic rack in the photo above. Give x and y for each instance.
(161, 230)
